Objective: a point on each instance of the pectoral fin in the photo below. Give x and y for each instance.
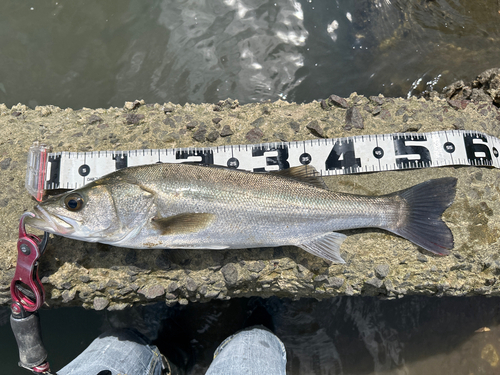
(182, 223)
(326, 246)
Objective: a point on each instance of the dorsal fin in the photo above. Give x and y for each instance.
(303, 173)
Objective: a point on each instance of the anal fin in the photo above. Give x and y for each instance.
(326, 246)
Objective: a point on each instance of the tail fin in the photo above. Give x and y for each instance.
(426, 203)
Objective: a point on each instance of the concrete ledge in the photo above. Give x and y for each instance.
(378, 263)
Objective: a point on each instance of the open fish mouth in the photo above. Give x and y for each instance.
(50, 223)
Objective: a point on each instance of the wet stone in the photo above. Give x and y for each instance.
(226, 131)
(338, 101)
(316, 129)
(382, 270)
(254, 135)
(230, 273)
(353, 119)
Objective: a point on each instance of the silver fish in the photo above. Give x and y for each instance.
(187, 206)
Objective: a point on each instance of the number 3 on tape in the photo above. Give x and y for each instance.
(358, 154)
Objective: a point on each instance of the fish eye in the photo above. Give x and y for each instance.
(74, 202)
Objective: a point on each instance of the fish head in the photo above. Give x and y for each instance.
(86, 214)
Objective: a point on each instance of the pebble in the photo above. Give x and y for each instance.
(216, 120)
(5, 163)
(134, 118)
(295, 126)
(191, 285)
(93, 119)
(382, 270)
(315, 129)
(254, 135)
(213, 136)
(152, 291)
(376, 282)
(199, 135)
(353, 119)
(336, 282)
(230, 273)
(100, 303)
(377, 100)
(226, 131)
(338, 101)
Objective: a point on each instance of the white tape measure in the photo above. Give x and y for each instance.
(358, 154)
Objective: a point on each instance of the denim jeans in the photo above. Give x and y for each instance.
(254, 351)
(116, 352)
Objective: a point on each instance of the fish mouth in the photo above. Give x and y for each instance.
(50, 223)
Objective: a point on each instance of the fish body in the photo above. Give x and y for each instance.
(192, 206)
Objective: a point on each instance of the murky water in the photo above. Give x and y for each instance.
(102, 53)
(346, 335)
(97, 54)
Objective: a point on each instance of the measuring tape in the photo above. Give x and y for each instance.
(358, 154)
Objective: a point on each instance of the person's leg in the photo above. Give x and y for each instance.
(116, 352)
(253, 351)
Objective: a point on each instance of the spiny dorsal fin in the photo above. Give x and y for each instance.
(303, 173)
(182, 223)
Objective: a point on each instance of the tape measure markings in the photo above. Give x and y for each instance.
(338, 156)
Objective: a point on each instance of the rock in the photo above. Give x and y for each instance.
(382, 270)
(458, 104)
(216, 120)
(226, 131)
(5, 163)
(191, 285)
(199, 135)
(212, 136)
(152, 291)
(230, 273)
(93, 119)
(316, 129)
(379, 100)
(375, 282)
(338, 101)
(295, 126)
(100, 303)
(353, 119)
(129, 106)
(254, 135)
(134, 118)
(258, 122)
(336, 282)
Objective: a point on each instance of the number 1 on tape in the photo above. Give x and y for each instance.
(358, 154)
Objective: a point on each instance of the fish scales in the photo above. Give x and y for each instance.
(193, 206)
